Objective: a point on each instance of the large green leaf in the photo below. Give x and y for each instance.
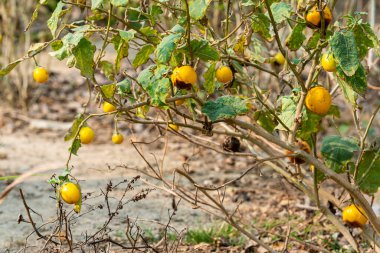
(143, 55)
(312, 42)
(281, 11)
(261, 24)
(348, 92)
(338, 151)
(288, 112)
(344, 48)
(69, 41)
(168, 44)
(209, 77)
(203, 50)
(84, 58)
(198, 8)
(52, 23)
(296, 38)
(224, 107)
(369, 172)
(358, 81)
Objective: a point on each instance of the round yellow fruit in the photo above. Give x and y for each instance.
(224, 75)
(314, 17)
(117, 138)
(174, 127)
(184, 77)
(108, 107)
(328, 62)
(353, 215)
(279, 58)
(86, 135)
(318, 100)
(40, 75)
(70, 193)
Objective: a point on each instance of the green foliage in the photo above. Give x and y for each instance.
(296, 38)
(313, 40)
(203, 50)
(209, 76)
(168, 44)
(75, 147)
(74, 128)
(84, 57)
(368, 177)
(261, 24)
(281, 11)
(108, 90)
(338, 151)
(143, 55)
(224, 108)
(198, 8)
(54, 19)
(358, 81)
(343, 46)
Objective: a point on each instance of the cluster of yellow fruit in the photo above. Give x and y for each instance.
(87, 135)
(313, 16)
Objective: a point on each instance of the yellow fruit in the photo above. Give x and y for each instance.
(40, 75)
(70, 193)
(86, 135)
(179, 102)
(314, 17)
(224, 75)
(174, 127)
(279, 58)
(303, 145)
(328, 62)
(117, 138)
(184, 77)
(108, 107)
(318, 100)
(353, 215)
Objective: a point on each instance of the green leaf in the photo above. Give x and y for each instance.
(296, 38)
(127, 35)
(369, 173)
(265, 120)
(281, 11)
(74, 127)
(124, 87)
(203, 50)
(4, 71)
(224, 108)
(107, 69)
(153, 81)
(75, 147)
(312, 42)
(261, 24)
(52, 23)
(119, 3)
(34, 17)
(121, 46)
(108, 90)
(198, 8)
(338, 151)
(358, 81)
(143, 55)
(348, 92)
(96, 4)
(345, 52)
(69, 41)
(209, 77)
(365, 38)
(168, 44)
(309, 126)
(84, 58)
(288, 112)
